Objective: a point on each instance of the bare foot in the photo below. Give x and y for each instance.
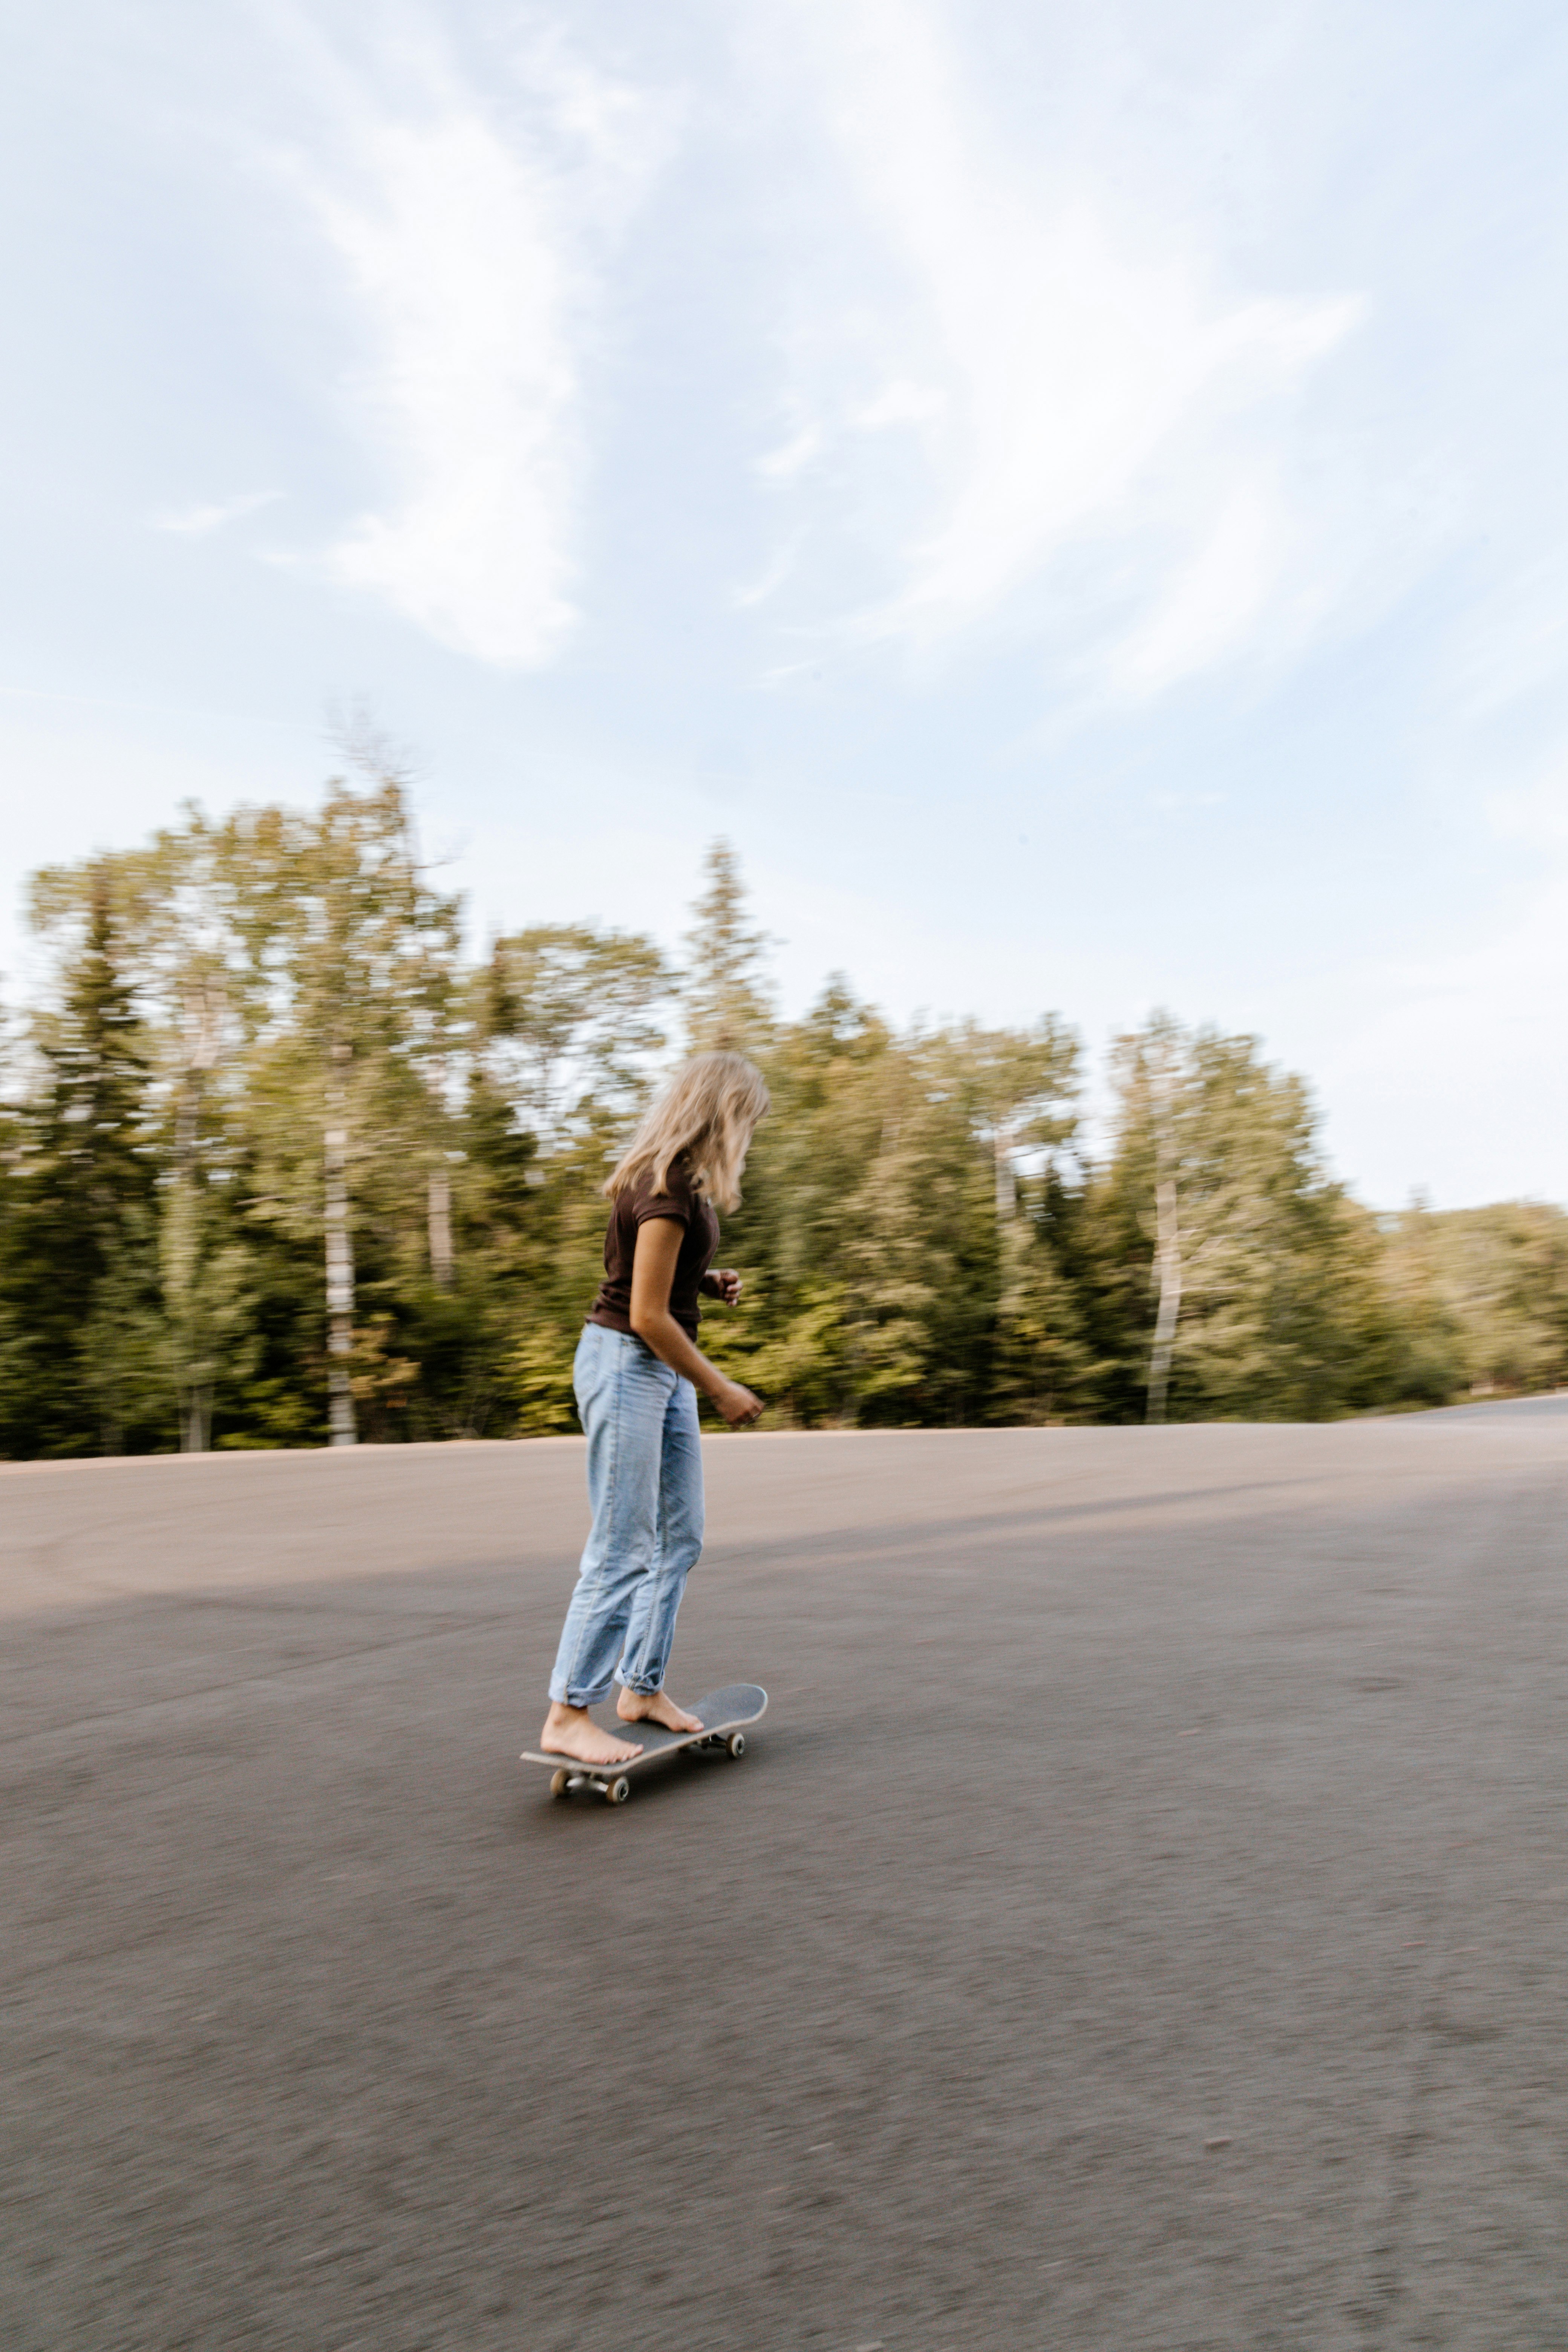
(654, 1706)
(572, 1731)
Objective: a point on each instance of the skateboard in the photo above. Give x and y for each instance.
(726, 1715)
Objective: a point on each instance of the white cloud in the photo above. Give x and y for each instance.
(901, 403)
(1073, 384)
(1207, 606)
(469, 239)
(195, 522)
(758, 591)
(791, 456)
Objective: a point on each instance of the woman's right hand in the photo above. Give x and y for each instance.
(736, 1405)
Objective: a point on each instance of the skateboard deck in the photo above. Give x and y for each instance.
(726, 1715)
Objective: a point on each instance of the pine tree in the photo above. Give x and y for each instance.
(81, 1254)
(726, 997)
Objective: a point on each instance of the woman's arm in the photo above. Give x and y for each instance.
(653, 1270)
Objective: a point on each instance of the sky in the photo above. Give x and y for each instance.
(1075, 496)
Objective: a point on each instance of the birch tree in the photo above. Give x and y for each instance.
(1257, 1267)
(350, 988)
(277, 1168)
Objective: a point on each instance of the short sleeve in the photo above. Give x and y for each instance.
(678, 1205)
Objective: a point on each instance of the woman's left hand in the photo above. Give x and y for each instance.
(725, 1282)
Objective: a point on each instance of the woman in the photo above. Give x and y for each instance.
(637, 1374)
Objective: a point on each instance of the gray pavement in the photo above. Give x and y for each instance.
(1139, 1921)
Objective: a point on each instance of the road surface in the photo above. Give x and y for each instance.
(1139, 1922)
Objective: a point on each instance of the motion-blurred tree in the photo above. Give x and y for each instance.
(1261, 1274)
(567, 1042)
(80, 1269)
(351, 987)
(564, 1015)
(263, 1058)
(882, 1219)
(1479, 1299)
(174, 949)
(725, 995)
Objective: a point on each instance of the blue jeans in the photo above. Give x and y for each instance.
(645, 1487)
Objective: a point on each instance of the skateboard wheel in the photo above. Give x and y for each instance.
(558, 1783)
(617, 1791)
(736, 1743)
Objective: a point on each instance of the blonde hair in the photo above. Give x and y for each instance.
(707, 1113)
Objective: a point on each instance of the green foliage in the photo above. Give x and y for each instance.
(265, 1056)
(1281, 1312)
(725, 996)
(1478, 1299)
(78, 1277)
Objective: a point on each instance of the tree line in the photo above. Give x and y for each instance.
(284, 1165)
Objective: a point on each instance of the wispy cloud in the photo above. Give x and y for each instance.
(1072, 383)
(1205, 609)
(468, 228)
(791, 456)
(196, 522)
(757, 591)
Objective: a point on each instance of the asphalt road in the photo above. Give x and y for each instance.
(1140, 1920)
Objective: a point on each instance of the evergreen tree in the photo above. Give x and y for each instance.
(263, 1060)
(80, 1271)
(726, 998)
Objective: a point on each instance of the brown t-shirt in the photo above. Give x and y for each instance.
(687, 1206)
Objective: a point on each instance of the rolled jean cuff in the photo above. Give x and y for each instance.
(566, 1696)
